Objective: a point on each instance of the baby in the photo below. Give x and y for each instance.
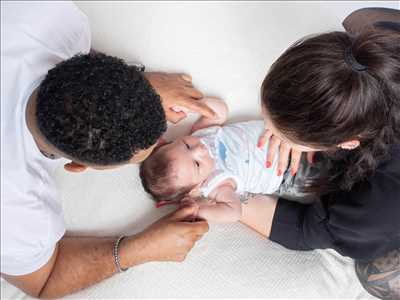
(221, 164)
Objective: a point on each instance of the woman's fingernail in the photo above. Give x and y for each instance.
(279, 172)
(259, 144)
(268, 164)
(293, 172)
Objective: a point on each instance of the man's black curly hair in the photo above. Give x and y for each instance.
(97, 109)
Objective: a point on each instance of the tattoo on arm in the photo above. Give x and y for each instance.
(381, 277)
(246, 196)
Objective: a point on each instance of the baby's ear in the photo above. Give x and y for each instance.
(161, 141)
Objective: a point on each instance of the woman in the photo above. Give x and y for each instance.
(338, 95)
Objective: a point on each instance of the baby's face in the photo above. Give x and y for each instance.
(191, 162)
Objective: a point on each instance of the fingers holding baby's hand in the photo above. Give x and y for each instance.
(188, 201)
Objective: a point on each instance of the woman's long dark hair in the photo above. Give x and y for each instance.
(315, 97)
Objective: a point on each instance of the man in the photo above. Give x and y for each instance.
(59, 100)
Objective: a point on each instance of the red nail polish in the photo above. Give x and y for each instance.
(259, 144)
(293, 172)
(268, 164)
(279, 172)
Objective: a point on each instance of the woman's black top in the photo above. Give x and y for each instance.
(363, 223)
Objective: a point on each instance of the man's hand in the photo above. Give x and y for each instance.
(176, 90)
(169, 239)
(78, 262)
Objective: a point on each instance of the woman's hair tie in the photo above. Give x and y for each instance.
(352, 62)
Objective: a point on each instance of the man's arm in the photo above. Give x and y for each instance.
(75, 264)
(79, 262)
(176, 90)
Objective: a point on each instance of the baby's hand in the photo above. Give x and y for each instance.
(191, 202)
(188, 201)
(221, 113)
(180, 109)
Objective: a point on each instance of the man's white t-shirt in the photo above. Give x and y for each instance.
(35, 36)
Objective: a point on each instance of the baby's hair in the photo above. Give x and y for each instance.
(159, 179)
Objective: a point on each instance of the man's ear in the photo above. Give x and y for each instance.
(74, 167)
(349, 145)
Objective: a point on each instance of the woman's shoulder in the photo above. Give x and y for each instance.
(391, 165)
(379, 189)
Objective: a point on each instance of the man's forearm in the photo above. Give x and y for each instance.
(80, 262)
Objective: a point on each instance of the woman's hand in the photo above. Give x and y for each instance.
(176, 90)
(285, 150)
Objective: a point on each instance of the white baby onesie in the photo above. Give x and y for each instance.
(234, 150)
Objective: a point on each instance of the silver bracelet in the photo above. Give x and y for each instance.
(116, 256)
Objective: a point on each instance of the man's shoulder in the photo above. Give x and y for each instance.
(29, 187)
(31, 219)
